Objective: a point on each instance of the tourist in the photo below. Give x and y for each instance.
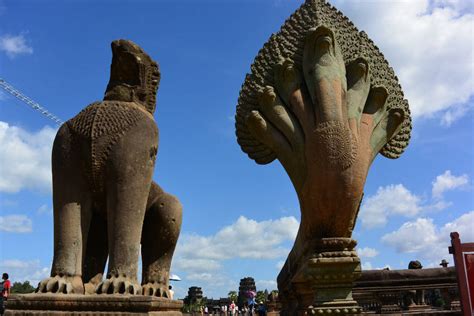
(262, 310)
(171, 292)
(232, 308)
(5, 286)
(251, 300)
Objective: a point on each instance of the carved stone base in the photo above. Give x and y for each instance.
(323, 283)
(89, 305)
(416, 308)
(390, 302)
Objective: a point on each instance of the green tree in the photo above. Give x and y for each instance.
(22, 288)
(260, 297)
(232, 295)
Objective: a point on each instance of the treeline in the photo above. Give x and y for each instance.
(22, 287)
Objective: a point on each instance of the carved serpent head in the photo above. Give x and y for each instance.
(134, 76)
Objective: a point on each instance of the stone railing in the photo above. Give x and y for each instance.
(423, 291)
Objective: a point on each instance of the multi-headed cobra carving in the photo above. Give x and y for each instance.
(322, 99)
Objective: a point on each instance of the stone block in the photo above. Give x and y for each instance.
(90, 305)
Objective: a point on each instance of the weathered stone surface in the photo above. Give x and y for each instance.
(105, 202)
(323, 283)
(89, 305)
(321, 99)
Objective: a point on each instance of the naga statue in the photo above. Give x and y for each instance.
(105, 202)
(322, 99)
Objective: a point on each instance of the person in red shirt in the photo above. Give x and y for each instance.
(5, 286)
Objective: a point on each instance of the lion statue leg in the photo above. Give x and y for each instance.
(160, 234)
(96, 253)
(128, 177)
(72, 202)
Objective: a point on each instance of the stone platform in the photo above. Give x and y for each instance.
(89, 305)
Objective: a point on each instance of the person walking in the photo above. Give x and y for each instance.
(5, 286)
(232, 308)
(262, 310)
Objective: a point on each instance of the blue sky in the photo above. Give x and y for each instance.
(239, 218)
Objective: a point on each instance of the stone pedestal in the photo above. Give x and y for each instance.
(90, 305)
(323, 283)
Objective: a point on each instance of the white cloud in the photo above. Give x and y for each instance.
(14, 45)
(388, 201)
(25, 158)
(196, 265)
(256, 240)
(453, 114)
(429, 44)
(396, 200)
(447, 182)
(16, 224)
(200, 277)
(457, 5)
(464, 225)
(263, 285)
(280, 264)
(21, 270)
(427, 241)
(200, 258)
(404, 239)
(44, 209)
(367, 252)
(367, 265)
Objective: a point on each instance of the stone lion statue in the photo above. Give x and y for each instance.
(105, 202)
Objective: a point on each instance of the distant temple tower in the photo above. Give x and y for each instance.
(194, 295)
(246, 284)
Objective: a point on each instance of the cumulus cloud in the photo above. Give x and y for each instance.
(257, 240)
(44, 209)
(25, 158)
(367, 252)
(367, 265)
(16, 224)
(201, 258)
(429, 44)
(396, 200)
(463, 225)
(14, 45)
(446, 182)
(431, 242)
(269, 285)
(403, 239)
(195, 265)
(21, 270)
(388, 201)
